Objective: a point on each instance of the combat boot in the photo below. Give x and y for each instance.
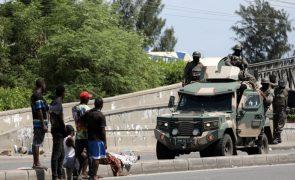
(279, 138)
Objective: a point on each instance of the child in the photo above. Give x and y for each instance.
(69, 148)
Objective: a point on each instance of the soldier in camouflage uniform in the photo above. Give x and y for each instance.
(192, 70)
(267, 93)
(236, 59)
(279, 106)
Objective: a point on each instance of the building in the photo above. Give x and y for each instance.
(169, 56)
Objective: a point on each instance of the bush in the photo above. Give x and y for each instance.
(171, 72)
(291, 116)
(14, 98)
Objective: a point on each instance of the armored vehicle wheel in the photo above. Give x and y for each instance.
(263, 148)
(163, 152)
(224, 147)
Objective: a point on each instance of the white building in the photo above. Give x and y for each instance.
(169, 56)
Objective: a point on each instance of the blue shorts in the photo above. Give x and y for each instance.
(96, 149)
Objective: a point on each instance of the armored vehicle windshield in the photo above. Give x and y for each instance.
(221, 102)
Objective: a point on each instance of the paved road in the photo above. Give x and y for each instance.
(15, 162)
(274, 172)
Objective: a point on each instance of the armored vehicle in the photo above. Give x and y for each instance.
(216, 117)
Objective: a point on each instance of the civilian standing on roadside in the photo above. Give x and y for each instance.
(95, 122)
(58, 133)
(81, 135)
(40, 121)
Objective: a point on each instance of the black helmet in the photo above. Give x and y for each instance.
(281, 83)
(196, 54)
(237, 47)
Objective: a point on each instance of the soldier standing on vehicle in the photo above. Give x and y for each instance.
(267, 93)
(280, 104)
(238, 60)
(192, 70)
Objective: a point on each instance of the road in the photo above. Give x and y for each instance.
(15, 162)
(273, 172)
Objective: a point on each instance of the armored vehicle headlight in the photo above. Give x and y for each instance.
(211, 125)
(174, 131)
(196, 132)
(162, 124)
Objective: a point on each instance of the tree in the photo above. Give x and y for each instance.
(142, 16)
(263, 31)
(167, 41)
(95, 54)
(21, 39)
(149, 21)
(128, 12)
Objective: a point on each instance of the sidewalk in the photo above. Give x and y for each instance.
(283, 146)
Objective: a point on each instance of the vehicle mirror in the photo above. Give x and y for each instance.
(171, 102)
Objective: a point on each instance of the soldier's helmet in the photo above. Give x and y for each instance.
(196, 54)
(265, 81)
(237, 47)
(281, 83)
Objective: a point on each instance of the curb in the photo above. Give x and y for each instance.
(149, 167)
(284, 147)
(209, 163)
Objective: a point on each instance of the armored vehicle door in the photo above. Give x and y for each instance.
(250, 114)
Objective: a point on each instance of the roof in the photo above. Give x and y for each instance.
(210, 89)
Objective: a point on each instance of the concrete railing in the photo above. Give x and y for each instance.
(131, 119)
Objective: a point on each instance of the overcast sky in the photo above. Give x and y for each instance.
(206, 25)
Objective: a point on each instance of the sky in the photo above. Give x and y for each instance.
(205, 25)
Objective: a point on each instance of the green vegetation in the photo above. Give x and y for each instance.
(263, 31)
(291, 116)
(85, 45)
(14, 98)
(171, 72)
(142, 16)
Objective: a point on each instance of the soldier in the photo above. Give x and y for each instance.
(280, 107)
(238, 60)
(192, 70)
(267, 93)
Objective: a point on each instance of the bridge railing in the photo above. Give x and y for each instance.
(277, 69)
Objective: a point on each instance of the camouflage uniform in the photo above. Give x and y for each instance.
(267, 93)
(267, 101)
(192, 70)
(236, 59)
(280, 106)
(240, 62)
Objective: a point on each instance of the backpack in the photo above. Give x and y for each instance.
(78, 112)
